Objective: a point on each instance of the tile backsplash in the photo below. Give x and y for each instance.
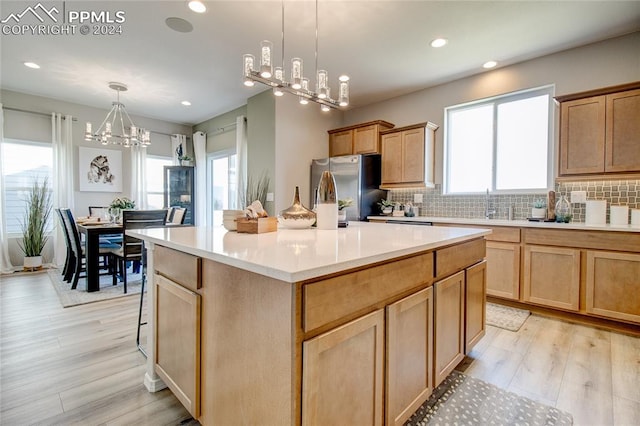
(616, 192)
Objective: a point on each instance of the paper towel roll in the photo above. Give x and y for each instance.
(596, 212)
(619, 215)
(635, 218)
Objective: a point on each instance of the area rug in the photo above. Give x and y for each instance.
(80, 296)
(464, 400)
(506, 317)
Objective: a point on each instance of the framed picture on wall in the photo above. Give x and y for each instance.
(100, 170)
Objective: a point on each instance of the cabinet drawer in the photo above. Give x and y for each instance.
(455, 258)
(616, 241)
(339, 297)
(498, 233)
(180, 267)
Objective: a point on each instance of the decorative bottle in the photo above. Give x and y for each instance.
(327, 207)
(297, 216)
(563, 210)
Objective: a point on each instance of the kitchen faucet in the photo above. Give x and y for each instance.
(488, 214)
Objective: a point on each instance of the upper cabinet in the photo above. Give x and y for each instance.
(358, 139)
(600, 132)
(408, 156)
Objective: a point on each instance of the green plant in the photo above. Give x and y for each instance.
(185, 158)
(344, 203)
(255, 189)
(123, 203)
(37, 211)
(386, 203)
(539, 203)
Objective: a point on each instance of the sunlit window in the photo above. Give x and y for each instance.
(502, 144)
(155, 180)
(23, 163)
(222, 184)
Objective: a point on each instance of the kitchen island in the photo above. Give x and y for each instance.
(356, 325)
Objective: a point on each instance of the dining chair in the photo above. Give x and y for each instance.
(132, 248)
(176, 215)
(69, 263)
(78, 249)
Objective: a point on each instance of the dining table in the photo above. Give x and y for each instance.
(92, 232)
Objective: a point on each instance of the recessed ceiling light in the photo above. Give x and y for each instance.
(186, 103)
(179, 24)
(439, 42)
(489, 64)
(31, 65)
(197, 6)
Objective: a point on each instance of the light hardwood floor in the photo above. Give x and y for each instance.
(80, 365)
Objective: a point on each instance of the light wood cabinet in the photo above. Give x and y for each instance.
(552, 276)
(503, 270)
(358, 139)
(177, 354)
(600, 131)
(409, 355)
(408, 156)
(612, 285)
(448, 326)
(475, 305)
(342, 381)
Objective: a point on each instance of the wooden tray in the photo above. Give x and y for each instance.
(257, 226)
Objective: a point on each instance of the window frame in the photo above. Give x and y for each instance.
(211, 157)
(161, 193)
(495, 101)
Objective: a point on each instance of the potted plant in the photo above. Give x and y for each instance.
(342, 204)
(185, 160)
(37, 211)
(119, 204)
(539, 210)
(386, 206)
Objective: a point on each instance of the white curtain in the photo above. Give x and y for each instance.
(176, 141)
(5, 261)
(241, 156)
(200, 151)
(62, 142)
(138, 176)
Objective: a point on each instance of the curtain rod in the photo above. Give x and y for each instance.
(44, 114)
(223, 129)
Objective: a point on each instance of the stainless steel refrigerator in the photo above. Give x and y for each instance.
(357, 177)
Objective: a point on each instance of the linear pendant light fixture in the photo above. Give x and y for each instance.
(298, 85)
(115, 122)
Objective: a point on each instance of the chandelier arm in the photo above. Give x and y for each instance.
(105, 121)
(316, 42)
(283, 39)
(130, 121)
(124, 133)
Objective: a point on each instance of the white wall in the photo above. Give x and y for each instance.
(607, 63)
(301, 136)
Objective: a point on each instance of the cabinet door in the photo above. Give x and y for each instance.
(449, 326)
(409, 355)
(178, 341)
(552, 276)
(413, 155)
(612, 285)
(503, 270)
(342, 374)
(582, 136)
(475, 305)
(366, 140)
(623, 132)
(391, 145)
(341, 143)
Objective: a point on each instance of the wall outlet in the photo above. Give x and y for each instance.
(417, 198)
(269, 196)
(578, 197)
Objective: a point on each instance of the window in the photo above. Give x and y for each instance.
(223, 186)
(22, 163)
(154, 175)
(502, 144)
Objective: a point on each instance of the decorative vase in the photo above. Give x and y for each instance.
(32, 262)
(538, 212)
(296, 216)
(114, 214)
(563, 210)
(342, 215)
(327, 208)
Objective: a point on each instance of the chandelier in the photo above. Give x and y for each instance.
(112, 130)
(297, 84)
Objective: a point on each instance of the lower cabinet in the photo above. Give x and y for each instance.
(612, 285)
(552, 277)
(343, 373)
(409, 355)
(503, 270)
(475, 305)
(449, 298)
(177, 355)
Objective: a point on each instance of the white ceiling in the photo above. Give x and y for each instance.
(382, 45)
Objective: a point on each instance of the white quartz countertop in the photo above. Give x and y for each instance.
(293, 255)
(515, 223)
